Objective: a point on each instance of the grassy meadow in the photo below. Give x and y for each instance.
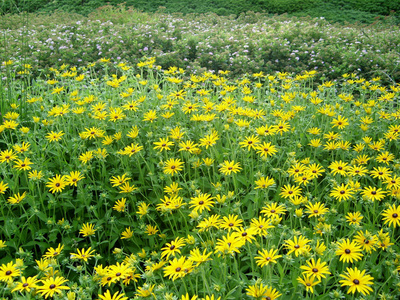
(177, 174)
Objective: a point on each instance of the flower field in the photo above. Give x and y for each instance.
(132, 181)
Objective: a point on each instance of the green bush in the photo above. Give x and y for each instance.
(251, 43)
(362, 11)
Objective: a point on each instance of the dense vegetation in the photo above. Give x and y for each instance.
(137, 182)
(364, 11)
(251, 43)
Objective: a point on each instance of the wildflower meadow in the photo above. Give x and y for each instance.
(128, 180)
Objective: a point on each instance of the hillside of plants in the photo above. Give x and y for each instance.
(252, 43)
(198, 157)
(342, 11)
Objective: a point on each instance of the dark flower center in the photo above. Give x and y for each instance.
(201, 202)
(230, 168)
(25, 285)
(8, 273)
(342, 192)
(373, 192)
(290, 192)
(340, 168)
(380, 173)
(118, 274)
(395, 215)
(57, 184)
(52, 286)
(244, 234)
(296, 246)
(178, 269)
(315, 270)
(347, 251)
(273, 211)
(356, 281)
(172, 247)
(173, 167)
(230, 224)
(315, 211)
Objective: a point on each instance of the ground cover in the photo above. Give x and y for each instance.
(124, 180)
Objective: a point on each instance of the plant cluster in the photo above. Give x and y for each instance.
(152, 183)
(249, 44)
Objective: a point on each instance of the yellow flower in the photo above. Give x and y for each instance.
(267, 257)
(227, 167)
(178, 268)
(357, 281)
(26, 284)
(115, 296)
(349, 251)
(262, 292)
(54, 136)
(298, 245)
(87, 230)
(163, 144)
(316, 269)
(83, 254)
(8, 272)
(127, 233)
(3, 187)
(120, 205)
(56, 184)
(16, 198)
(51, 252)
(127, 188)
(52, 285)
(150, 116)
(145, 291)
(173, 166)
(309, 282)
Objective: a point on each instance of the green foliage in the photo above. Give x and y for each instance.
(362, 11)
(287, 6)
